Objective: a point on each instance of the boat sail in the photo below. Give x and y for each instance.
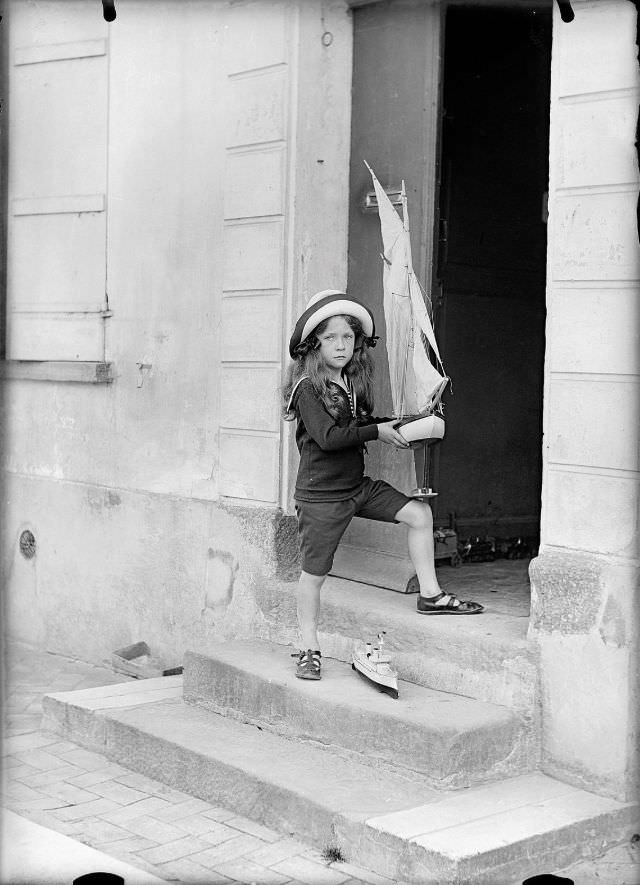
(417, 381)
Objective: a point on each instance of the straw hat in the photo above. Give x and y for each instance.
(330, 303)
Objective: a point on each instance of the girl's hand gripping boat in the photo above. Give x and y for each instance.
(372, 664)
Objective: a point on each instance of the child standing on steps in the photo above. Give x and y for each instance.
(328, 390)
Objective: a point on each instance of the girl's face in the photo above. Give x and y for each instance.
(336, 344)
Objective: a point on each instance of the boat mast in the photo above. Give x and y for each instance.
(410, 342)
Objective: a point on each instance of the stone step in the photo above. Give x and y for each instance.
(485, 656)
(390, 823)
(451, 741)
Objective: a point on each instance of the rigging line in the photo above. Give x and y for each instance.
(429, 306)
(406, 364)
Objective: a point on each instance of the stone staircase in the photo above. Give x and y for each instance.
(444, 739)
(431, 788)
(487, 657)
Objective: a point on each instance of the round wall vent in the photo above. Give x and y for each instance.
(27, 544)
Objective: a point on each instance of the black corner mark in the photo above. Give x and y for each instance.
(108, 10)
(566, 12)
(548, 879)
(99, 878)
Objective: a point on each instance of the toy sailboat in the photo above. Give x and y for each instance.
(417, 376)
(375, 666)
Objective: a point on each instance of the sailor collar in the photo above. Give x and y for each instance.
(348, 390)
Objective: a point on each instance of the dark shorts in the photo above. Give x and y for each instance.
(321, 524)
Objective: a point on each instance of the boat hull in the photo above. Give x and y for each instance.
(427, 427)
(381, 676)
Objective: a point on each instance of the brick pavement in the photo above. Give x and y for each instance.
(126, 815)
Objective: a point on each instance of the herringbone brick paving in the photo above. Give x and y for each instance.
(129, 816)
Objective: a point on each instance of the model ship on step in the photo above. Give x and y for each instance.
(417, 376)
(375, 666)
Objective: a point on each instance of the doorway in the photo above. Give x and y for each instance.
(490, 266)
(455, 100)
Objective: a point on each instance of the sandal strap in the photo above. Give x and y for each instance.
(450, 600)
(447, 600)
(308, 658)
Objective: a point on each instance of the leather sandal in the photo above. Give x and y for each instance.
(308, 665)
(447, 604)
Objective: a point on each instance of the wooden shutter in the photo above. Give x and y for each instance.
(56, 261)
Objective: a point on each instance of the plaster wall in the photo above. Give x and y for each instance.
(584, 582)
(222, 171)
(114, 567)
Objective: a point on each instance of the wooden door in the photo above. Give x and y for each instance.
(395, 128)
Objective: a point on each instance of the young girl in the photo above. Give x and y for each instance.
(328, 391)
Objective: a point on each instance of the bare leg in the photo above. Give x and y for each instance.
(432, 600)
(308, 597)
(419, 519)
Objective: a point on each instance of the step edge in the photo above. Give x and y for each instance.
(198, 656)
(406, 867)
(523, 754)
(375, 762)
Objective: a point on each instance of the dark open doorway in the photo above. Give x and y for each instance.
(491, 266)
(455, 100)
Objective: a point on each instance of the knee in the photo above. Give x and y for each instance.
(420, 517)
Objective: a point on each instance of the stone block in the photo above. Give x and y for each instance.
(595, 423)
(596, 51)
(250, 397)
(463, 739)
(255, 183)
(567, 590)
(151, 828)
(249, 466)
(593, 238)
(251, 328)
(187, 846)
(458, 809)
(258, 100)
(596, 142)
(608, 344)
(591, 512)
(253, 255)
(256, 36)
(586, 703)
(309, 872)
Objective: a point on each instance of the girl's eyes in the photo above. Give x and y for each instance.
(331, 337)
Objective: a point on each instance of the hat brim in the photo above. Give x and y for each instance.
(332, 305)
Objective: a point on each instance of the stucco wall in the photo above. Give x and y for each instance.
(223, 168)
(584, 583)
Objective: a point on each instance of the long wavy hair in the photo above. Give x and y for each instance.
(308, 362)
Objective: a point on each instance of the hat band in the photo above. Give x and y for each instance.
(336, 308)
